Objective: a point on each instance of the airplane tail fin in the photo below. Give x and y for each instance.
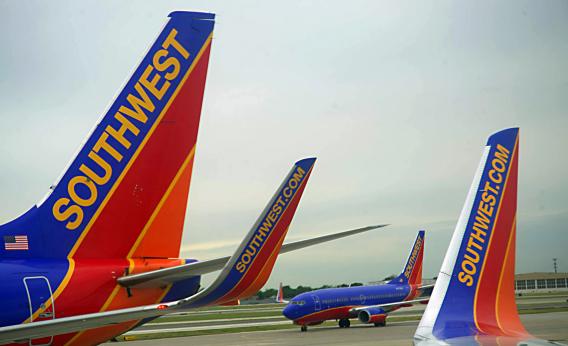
(412, 271)
(124, 195)
(280, 295)
(474, 292)
(250, 266)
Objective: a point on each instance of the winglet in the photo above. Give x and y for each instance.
(474, 293)
(249, 267)
(412, 271)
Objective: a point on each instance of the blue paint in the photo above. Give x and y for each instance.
(456, 316)
(304, 304)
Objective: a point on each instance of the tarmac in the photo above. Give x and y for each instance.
(551, 326)
(211, 324)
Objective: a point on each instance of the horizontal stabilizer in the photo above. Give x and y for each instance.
(24, 332)
(390, 306)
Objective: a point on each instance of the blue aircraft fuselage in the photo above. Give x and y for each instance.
(336, 303)
(31, 283)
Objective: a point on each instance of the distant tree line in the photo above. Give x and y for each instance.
(290, 292)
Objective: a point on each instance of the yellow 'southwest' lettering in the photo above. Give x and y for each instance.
(99, 180)
(412, 259)
(169, 63)
(138, 105)
(126, 125)
(103, 144)
(83, 202)
(152, 85)
(73, 210)
(171, 40)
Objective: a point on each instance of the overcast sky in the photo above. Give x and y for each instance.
(395, 99)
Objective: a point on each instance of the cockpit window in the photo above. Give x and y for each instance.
(298, 302)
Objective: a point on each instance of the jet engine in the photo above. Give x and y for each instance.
(373, 315)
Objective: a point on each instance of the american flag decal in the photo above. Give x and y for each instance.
(16, 242)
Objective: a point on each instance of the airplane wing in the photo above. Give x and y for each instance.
(388, 307)
(181, 272)
(24, 332)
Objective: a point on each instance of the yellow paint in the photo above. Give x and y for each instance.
(489, 244)
(67, 213)
(483, 215)
(83, 202)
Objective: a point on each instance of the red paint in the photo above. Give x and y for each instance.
(496, 263)
(143, 186)
(324, 315)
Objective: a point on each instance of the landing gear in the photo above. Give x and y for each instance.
(304, 328)
(344, 323)
(381, 324)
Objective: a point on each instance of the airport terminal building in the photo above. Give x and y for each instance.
(541, 282)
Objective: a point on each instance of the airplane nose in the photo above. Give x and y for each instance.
(288, 312)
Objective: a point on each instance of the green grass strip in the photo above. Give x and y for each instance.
(218, 316)
(287, 326)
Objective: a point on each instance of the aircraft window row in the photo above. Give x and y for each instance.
(298, 302)
(541, 284)
(358, 298)
(379, 296)
(335, 300)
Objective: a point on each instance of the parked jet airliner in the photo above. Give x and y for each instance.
(370, 304)
(99, 254)
(473, 301)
